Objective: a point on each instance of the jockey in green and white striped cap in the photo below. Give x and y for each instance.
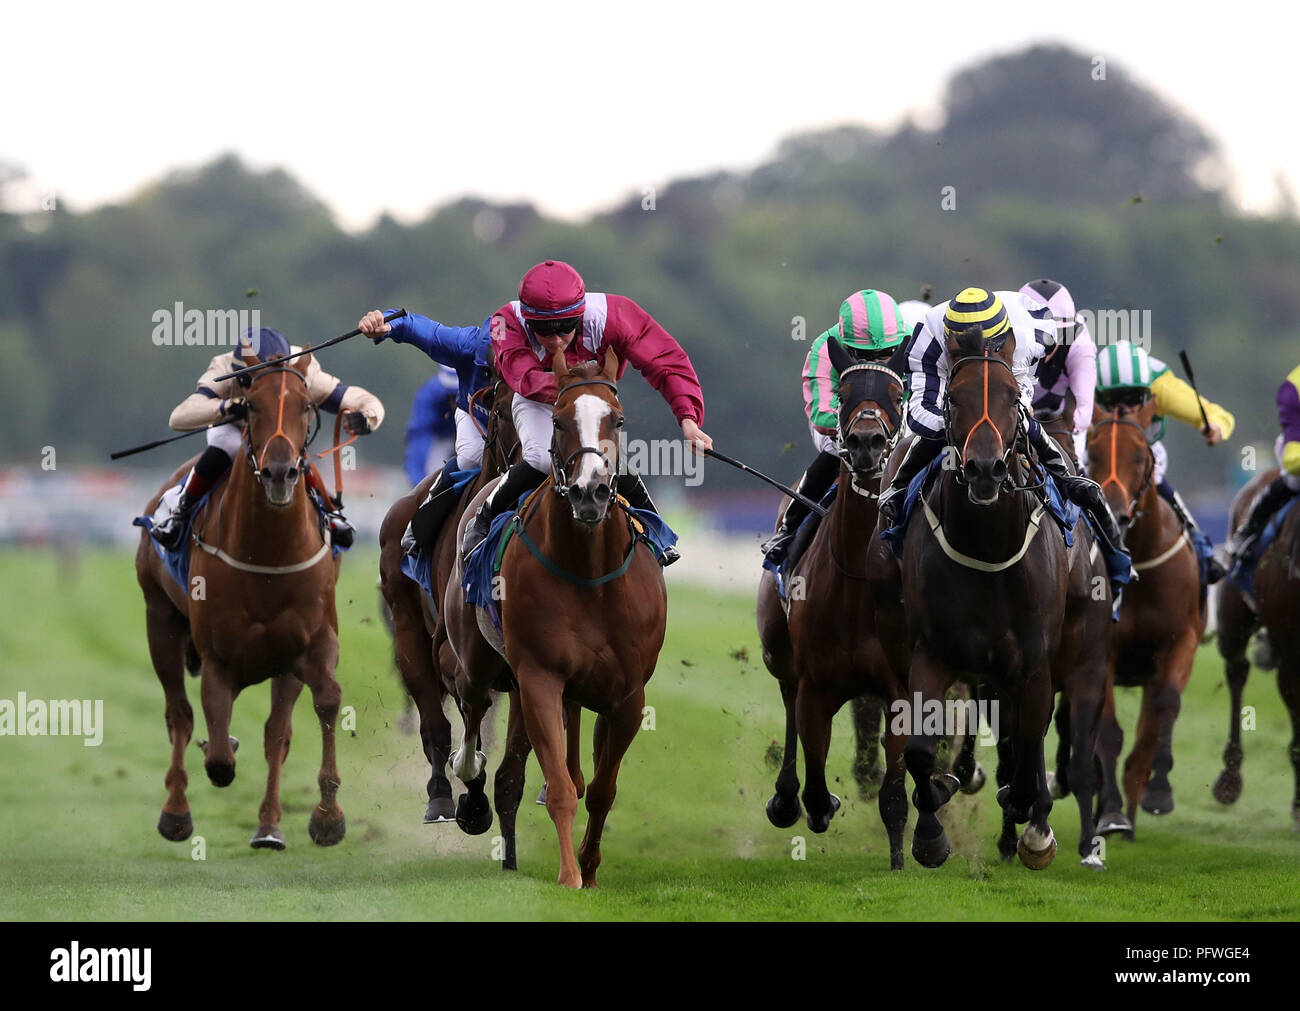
(1125, 366)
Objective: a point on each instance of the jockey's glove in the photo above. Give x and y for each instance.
(236, 408)
(356, 423)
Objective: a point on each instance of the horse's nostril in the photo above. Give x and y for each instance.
(602, 492)
(878, 443)
(1000, 471)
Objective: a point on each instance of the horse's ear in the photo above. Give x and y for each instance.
(491, 359)
(302, 364)
(1097, 412)
(1007, 352)
(840, 359)
(610, 371)
(559, 366)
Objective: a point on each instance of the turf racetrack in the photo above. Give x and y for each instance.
(687, 838)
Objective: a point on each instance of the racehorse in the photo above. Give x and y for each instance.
(984, 597)
(1160, 623)
(261, 606)
(1277, 598)
(424, 659)
(583, 616)
(825, 652)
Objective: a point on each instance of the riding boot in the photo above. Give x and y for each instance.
(1241, 546)
(342, 533)
(520, 478)
(814, 484)
(1214, 570)
(432, 513)
(920, 454)
(1080, 490)
(632, 488)
(207, 471)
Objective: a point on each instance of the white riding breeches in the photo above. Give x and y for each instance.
(226, 438)
(823, 442)
(469, 442)
(533, 423)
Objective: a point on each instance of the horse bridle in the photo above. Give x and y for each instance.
(559, 467)
(494, 442)
(1010, 444)
(254, 464)
(1115, 421)
(889, 418)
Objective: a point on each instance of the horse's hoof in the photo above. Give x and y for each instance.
(977, 780)
(1036, 859)
(821, 822)
(330, 834)
(175, 827)
(1227, 788)
(1157, 801)
(541, 795)
(1093, 862)
(1115, 821)
(1055, 787)
(269, 837)
(474, 814)
(439, 811)
(931, 852)
(783, 811)
(220, 773)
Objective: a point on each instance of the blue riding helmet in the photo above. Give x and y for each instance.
(263, 344)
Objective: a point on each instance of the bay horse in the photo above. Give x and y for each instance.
(1277, 607)
(1160, 623)
(424, 658)
(825, 651)
(582, 628)
(984, 597)
(261, 606)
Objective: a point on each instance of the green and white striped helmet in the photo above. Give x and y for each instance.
(1123, 366)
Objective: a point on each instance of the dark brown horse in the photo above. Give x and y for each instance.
(985, 581)
(583, 627)
(423, 656)
(260, 605)
(826, 652)
(1161, 620)
(1277, 598)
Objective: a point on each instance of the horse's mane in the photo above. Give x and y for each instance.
(585, 370)
(971, 342)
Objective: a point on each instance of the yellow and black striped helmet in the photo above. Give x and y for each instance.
(974, 307)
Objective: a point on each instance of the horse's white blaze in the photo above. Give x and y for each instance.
(591, 410)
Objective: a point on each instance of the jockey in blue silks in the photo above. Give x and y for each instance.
(431, 427)
(460, 348)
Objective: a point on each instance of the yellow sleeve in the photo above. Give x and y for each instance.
(1177, 400)
(1291, 458)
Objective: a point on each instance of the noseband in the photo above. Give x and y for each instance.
(256, 465)
(889, 417)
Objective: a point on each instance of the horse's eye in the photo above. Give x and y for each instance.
(619, 423)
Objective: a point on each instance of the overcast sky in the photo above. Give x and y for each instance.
(570, 105)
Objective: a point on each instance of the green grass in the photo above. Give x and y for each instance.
(687, 839)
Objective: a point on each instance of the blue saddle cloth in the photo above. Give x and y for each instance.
(177, 563)
(782, 571)
(1065, 512)
(1243, 572)
(419, 566)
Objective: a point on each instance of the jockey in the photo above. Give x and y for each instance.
(1070, 366)
(555, 311)
(871, 328)
(998, 313)
(463, 350)
(1126, 374)
(1283, 487)
(431, 428)
(216, 400)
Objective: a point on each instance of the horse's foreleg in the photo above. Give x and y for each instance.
(327, 825)
(509, 785)
(413, 648)
(1227, 787)
(168, 632)
(783, 807)
(1061, 785)
(1084, 725)
(1008, 839)
(285, 690)
(1137, 767)
(542, 696)
(893, 796)
(612, 736)
(813, 714)
(218, 703)
(867, 770)
(1110, 743)
(573, 745)
(1028, 798)
(930, 846)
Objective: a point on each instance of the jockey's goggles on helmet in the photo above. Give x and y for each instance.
(555, 327)
(1123, 396)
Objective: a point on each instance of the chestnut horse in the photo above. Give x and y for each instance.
(825, 652)
(1277, 598)
(424, 659)
(583, 616)
(1160, 622)
(262, 607)
(985, 581)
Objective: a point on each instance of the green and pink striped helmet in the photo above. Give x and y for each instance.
(870, 320)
